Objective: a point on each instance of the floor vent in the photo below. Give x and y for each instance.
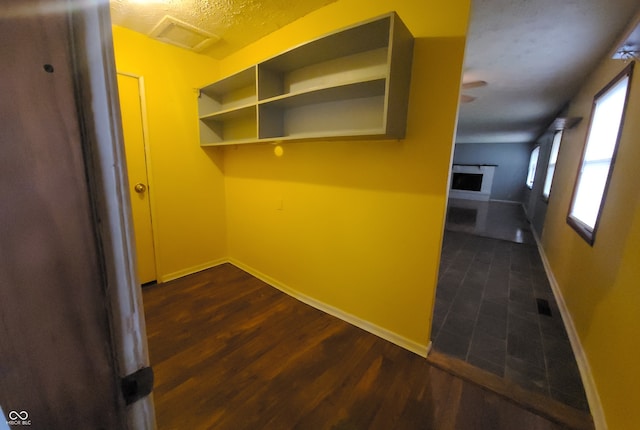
(179, 33)
(543, 307)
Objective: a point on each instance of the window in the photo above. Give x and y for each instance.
(533, 163)
(551, 168)
(599, 154)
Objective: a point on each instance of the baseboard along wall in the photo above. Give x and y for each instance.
(595, 404)
(415, 347)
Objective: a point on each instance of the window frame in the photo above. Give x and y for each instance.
(559, 133)
(583, 230)
(536, 150)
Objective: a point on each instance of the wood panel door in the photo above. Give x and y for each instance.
(139, 190)
(57, 361)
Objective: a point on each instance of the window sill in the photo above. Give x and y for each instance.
(582, 229)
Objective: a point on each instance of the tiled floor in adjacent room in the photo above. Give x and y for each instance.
(498, 220)
(495, 309)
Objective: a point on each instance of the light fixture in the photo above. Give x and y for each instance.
(627, 53)
(629, 48)
(565, 123)
(467, 85)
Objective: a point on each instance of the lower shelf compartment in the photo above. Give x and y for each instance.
(229, 129)
(351, 117)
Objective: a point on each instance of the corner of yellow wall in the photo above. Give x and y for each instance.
(186, 181)
(362, 224)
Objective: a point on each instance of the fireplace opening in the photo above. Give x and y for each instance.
(467, 181)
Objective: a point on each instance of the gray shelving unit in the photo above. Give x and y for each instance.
(352, 83)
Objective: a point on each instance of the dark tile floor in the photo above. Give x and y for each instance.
(495, 309)
(498, 220)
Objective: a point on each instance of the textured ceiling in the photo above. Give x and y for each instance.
(237, 22)
(534, 56)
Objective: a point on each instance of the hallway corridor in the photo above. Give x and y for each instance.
(495, 308)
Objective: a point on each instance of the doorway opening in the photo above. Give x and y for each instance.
(132, 107)
(495, 309)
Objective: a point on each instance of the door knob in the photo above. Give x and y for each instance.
(140, 188)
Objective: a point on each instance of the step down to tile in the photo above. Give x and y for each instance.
(551, 409)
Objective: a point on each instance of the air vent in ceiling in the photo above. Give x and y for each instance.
(179, 33)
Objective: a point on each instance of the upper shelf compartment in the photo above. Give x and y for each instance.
(356, 53)
(236, 91)
(359, 67)
(350, 83)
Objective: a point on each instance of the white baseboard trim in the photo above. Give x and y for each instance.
(595, 405)
(370, 327)
(190, 270)
(512, 202)
(468, 195)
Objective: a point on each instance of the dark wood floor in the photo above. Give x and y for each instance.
(230, 352)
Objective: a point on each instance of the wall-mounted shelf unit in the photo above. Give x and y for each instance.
(352, 83)
(227, 109)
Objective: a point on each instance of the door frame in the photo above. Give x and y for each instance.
(99, 117)
(147, 156)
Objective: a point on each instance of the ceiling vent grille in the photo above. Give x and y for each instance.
(179, 33)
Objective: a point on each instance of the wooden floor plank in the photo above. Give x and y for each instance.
(230, 352)
(542, 405)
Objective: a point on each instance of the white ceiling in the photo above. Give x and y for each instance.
(534, 54)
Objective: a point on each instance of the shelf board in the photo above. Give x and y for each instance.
(373, 133)
(345, 91)
(359, 38)
(231, 113)
(231, 142)
(245, 78)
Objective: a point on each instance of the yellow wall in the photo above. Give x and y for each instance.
(601, 284)
(356, 226)
(186, 183)
(353, 226)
